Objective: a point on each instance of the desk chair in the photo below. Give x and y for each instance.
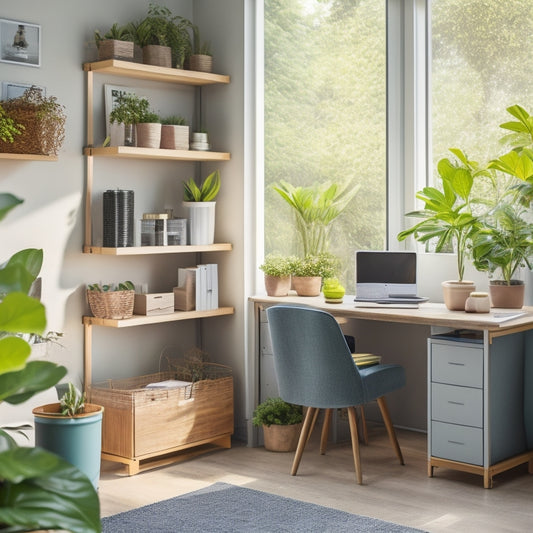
(315, 368)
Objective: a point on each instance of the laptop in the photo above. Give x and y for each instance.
(388, 278)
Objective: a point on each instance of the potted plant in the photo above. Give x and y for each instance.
(9, 129)
(111, 301)
(200, 200)
(201, 58)
(116, 43)
(281, 423)
(200, 140)
(448, 218)
(315, 208)
(33, 479)
(308, 272)
(148, 130)
(41, 119)
(163, 37)
(72, 429)
(277, 271)
(128, 110)
(174, 133)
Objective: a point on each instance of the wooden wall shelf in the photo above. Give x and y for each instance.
(133, 152)
(29, 157)
(152, 250)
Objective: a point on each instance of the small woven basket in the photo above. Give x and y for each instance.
(201, 63)
(113, 304)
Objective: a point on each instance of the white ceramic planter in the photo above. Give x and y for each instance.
(201, 222)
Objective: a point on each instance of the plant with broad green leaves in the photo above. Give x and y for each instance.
(73, 401)
(207, 191)
(315, 208)
(447, 215)
(38, 489)
(277, 411)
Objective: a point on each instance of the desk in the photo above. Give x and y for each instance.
(502, 387)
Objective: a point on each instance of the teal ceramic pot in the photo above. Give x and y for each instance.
(77, 439)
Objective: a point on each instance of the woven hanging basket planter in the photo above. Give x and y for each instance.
(116, 305)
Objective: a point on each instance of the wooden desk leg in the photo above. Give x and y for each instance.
(487, 479)
(430, 469)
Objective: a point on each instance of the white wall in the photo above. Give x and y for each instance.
(52, 216)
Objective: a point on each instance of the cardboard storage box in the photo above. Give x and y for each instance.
(142, 422)
(154, 304)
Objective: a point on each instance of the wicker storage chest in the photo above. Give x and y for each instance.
(142, 423)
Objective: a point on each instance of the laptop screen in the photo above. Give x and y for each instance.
(383, 274)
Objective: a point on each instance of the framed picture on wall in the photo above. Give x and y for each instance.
(14, 90)
(20, 43)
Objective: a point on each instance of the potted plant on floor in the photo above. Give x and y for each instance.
(32, 479)
(72, 429)
(277, 271)
(309, 272)
(449, 219)
(281, 423)
(200, 201)
(174, 133)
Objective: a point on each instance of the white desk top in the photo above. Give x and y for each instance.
(428, 313)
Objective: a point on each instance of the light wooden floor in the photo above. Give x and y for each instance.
(451, 501)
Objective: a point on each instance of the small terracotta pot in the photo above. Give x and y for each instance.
(282, 438)
(277, 286)
(456, 292)
(507, 296)
(307, 285)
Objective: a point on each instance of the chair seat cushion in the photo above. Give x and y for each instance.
(379, 380)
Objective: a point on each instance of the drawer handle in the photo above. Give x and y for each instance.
(456, 442)
(456, 364)
(455, 403)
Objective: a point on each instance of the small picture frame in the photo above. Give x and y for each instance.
(111, 93)
(20, 43)
(14, 90)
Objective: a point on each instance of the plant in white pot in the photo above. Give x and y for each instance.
(200, 201)
(281, 423)
(277, 271)
(449, 220)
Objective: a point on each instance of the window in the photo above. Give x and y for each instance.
(325, 117)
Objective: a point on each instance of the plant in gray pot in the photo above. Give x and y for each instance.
(200, 201)
(281, 423)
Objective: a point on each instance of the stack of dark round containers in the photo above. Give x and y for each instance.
(118, 218)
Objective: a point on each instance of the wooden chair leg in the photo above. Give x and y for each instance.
(363, 424)
(352, 418)
(390, 428)
(325, 431)
(313, 423)
(304, 436)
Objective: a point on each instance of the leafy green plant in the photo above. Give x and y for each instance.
(207, 191)
(129, 109)
(149, 118)
(324, 265)
(277, 411)
(116, 32)
(73, 401)
(277, 265)
(123, 286)
(38, 490)
(174, 120)
(315, 208)
(447, 215)
(8, 127)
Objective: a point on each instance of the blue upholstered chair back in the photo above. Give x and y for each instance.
(313, 363)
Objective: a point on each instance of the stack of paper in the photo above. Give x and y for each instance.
(366, 359)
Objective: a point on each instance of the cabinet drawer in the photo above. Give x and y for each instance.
(458, 405)
(457, 364)
(457, 443)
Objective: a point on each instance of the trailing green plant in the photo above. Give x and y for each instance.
(115, 32)
(9, 128)
(325, 265)
(129, 109)
(315, 208)
(277, 411)
(448, 215)
(110, 287)
(73, 401)
(206, 192)
(277, 265)
(32, 479)
(174, 120)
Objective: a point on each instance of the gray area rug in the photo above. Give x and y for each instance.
(228, 508)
